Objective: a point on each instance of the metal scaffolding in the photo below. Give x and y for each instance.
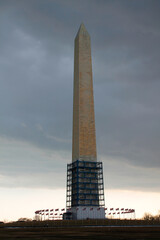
(85, 184)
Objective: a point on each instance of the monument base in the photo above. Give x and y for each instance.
(82, 212)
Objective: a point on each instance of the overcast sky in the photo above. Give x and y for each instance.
(36, 90)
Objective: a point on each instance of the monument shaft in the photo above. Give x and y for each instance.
(84, 137)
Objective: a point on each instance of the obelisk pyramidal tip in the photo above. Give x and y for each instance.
(84, 137)
(82, 30)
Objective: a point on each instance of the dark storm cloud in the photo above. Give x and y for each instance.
(36, 62)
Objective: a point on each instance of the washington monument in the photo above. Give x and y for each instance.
(85, 190)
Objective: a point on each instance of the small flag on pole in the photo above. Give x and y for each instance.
(37, 212)
(132, 210)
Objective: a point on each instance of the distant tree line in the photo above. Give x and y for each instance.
(150, 217)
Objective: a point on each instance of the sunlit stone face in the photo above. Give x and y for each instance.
(84, 138)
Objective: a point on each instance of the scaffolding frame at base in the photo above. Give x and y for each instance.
(85, 185)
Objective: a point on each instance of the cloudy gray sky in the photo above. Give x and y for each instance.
(36, 90)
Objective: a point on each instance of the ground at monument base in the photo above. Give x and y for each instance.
(78, 233)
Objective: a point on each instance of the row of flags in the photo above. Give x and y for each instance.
(57, 209)
(47, 210)
(121, 209)
(132, 211)
(50, 212)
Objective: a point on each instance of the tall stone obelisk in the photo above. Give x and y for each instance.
(85, 189)
(84, 137)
